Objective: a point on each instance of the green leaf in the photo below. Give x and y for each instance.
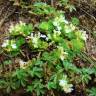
(39, 62)
(7, 62)
(29, 88)
(77, 45)
(37, 87)
(71, 8)
(70, 67)
(21, 76)
(51, 85)
(75, 21)
(40, 8)
(84, 78)
(21, 29)
(20, 41)
(46, 26)
(36, 72)
(92, 91)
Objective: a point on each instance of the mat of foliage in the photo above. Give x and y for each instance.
(44, 52)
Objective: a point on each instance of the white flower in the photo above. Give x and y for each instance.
(55, 35)
(66, 22)
(58, 20)
(65, 86)
(59, 28)
(14, 46)
(55, 23)
(61, 18)
(35, 39)
(62, 82)
(22, 64)
(67, 29)
(31, 36)
(5, 44)
(68, 88)
(17, 27)
(84, 36)
(35, 42)
(22, 23)
(57, 32)
(72, 27)
(63, 54)
(49, 36)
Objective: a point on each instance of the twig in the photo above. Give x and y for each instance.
(88, 14)
(87, 49)
(7, 15)
(80, 2)
(3, 7)
(52, 3)
(85, 57)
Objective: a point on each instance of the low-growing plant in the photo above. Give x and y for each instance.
(67, 5)
(21, 29)
(40, 8)
(36, 86)
(54, 43)
(92, 91)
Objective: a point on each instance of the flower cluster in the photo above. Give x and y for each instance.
(23, 64)
(52, 45)
(57, 23)
(58, 20)
(21, 28)
(65, 86)
(84, 36)
(68, 28)
(9, 45)
(35, 40)
(5, 43)
(17, 27)
(63, 54)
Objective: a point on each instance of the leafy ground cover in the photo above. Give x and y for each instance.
(46, 56)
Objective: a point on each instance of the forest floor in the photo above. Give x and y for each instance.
(10, 14)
